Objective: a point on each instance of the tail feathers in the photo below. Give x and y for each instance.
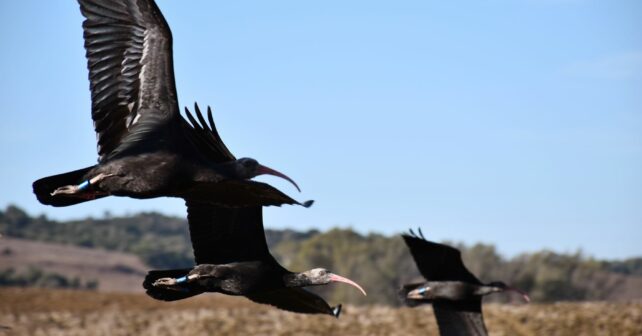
(166, 293)
(403, 295)
(46, 185)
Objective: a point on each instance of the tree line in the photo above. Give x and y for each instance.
(380, 263)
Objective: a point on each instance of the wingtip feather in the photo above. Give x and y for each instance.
(336, 311)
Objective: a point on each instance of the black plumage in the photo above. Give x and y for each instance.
(145, 147)
(233, 258)
(455, 293)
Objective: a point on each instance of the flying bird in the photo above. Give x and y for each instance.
(146, 148)
(233, 258)
(455, 293)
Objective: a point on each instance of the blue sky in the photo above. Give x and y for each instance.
(512, 122)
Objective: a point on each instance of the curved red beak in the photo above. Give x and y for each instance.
(269, 171)
(338, 278)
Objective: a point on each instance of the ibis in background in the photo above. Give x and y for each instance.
(233, 258)
(146, 148)
(455, 293)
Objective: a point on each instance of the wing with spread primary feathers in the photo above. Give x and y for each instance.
(129, 55)
(438, 262)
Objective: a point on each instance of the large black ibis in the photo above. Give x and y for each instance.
(232, 257)
(455, 293)
(145, 147)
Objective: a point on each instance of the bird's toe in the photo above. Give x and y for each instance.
(164, 282)
(66, 190)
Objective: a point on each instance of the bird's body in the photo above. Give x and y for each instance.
(145, 147)
(454, 292)
(237, 278)
(163, 173)
(246, 278)
(447, 290)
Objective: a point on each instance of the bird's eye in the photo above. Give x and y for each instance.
(248, 163)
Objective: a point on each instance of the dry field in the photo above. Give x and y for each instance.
(60, 312)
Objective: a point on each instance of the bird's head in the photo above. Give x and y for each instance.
(499, 286)
(247, 168)
(318, 276)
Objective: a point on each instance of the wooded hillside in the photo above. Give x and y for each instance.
(380, 263)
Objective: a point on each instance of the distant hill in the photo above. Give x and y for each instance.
(378, 262)
(159, 240)
(56, 265)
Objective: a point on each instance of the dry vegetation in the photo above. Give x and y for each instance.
(65, 312)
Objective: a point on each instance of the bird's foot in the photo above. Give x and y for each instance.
(170, 282)
(66, 190)
(165, 282)
(77, 189)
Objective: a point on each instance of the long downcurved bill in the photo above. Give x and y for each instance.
(338, 278)
(522, 293)
(269, 171)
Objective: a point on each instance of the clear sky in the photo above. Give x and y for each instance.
(512, 122)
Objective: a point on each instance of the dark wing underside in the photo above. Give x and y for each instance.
(296, 300)
(129, 56)
(438, 262)
(237, 193)
(462, 318)
(226, 235)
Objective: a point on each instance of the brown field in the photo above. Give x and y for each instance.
(64, 312)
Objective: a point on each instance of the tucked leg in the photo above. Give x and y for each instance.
(169, 282)
(78, 189)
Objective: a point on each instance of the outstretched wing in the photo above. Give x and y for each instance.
(129, 56)
(460, 318)
(226, 235)
(238, 193)
(438, 262)
(296, 300)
